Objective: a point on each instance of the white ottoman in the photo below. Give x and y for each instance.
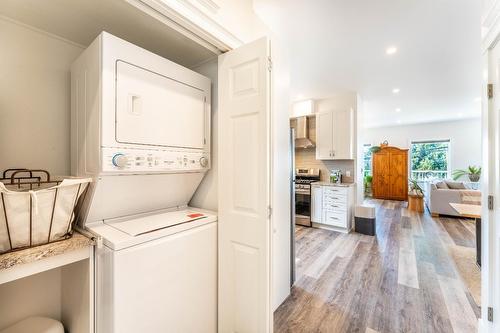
(35, 325)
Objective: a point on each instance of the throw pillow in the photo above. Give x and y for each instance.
(456, 185)
(442, 185)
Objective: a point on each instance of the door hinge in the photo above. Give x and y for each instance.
(490, 314)
(490, 202)
(269, 63)
(490, 90)
(269, 211)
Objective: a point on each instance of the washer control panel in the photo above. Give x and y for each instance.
(138, 160)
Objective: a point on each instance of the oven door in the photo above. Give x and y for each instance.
(155, 110)
(303, 206)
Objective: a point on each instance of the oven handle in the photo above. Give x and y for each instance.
(304, 192)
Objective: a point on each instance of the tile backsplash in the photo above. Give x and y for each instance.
(306, 158)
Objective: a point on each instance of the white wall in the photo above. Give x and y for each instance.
(465, 136)
(36, 295)
(34, 99)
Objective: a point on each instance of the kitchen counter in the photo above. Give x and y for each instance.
(30, 255)
(334, 184)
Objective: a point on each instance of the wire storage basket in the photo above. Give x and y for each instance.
(36, 209)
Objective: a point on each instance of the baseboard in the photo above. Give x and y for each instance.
(330, 227)
(480, 326)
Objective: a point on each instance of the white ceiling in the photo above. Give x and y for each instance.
(339, 45)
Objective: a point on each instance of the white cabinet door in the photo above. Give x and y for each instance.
(343, 134)
(324, 135)
(316, 203)
(244, 196)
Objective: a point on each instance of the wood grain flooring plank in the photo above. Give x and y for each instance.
(407, 278)
(407, 268)
(323, 260)
(458, 232)
(462, 317)
(434, 313)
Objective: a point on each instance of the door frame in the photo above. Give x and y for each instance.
(490, 132)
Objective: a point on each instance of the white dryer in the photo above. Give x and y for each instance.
(140, 126)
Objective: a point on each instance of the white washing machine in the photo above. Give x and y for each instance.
(160, 281)
(140, 126)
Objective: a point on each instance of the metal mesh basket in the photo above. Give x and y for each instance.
(36, 209)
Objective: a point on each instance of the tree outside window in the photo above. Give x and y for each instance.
(430, 160)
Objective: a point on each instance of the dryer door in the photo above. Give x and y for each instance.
(152, 109)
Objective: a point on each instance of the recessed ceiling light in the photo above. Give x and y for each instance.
(398, 110)
(391, 50)
(399, 121)
(395, 91)
(460, 115)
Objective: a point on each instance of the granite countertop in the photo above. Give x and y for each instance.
(334, 184)
(11, 259)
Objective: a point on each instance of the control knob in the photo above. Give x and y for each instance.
(203, 162)
(120, 160)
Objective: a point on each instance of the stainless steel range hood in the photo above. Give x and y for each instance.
(302, 139)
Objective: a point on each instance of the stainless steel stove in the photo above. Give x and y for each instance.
(303, 180)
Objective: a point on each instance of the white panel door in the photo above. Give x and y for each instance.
(244, 189)
(324, 135)
(343, 134)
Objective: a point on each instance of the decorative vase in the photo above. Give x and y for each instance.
(474, 177)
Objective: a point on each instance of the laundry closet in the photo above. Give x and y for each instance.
(232, 172)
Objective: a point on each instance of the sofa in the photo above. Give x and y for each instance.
(439, 194)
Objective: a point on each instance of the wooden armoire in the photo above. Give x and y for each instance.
(390, 173)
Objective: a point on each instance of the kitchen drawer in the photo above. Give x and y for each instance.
(332, 190)
(334, 201)
(335, 206)
(335, 196)
(337, 219)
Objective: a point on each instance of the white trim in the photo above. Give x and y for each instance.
(491, 27)
(193, 22)
(209, 4)
(162, 15)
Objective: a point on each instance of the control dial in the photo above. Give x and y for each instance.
(203, 162)
(120, 160)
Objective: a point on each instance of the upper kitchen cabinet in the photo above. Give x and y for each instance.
(335, 135)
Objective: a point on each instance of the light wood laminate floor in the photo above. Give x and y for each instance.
(417, 275)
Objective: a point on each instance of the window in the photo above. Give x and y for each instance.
(430, 160)
(367, 160)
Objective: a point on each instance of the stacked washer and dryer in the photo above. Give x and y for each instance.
(140, 126)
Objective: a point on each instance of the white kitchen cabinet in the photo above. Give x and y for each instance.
(336, 207)
(324, 135)
(335, 135)
(316, 203)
